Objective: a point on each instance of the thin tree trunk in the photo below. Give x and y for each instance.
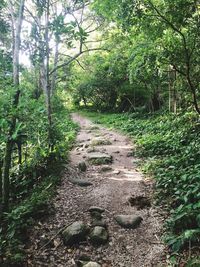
(19, 148)
(44, 72)
(48, 87)
(1, 165)
(169, 97)
(169, 86)
(54, 75)
(9, 144)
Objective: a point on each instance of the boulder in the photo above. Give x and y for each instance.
(98, 235)
(75, 233)
(128, 221)
(82, 166)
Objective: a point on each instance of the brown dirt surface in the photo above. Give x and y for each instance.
(111, 190)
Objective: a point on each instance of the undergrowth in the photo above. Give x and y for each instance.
(33, 188)
(171, 146)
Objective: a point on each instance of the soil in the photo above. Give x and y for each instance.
(111, 189)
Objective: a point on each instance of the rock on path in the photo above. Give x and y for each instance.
(109, 189)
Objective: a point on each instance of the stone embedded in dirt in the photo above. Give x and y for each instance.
(117, 152)
(96, 215)
(116, 172)
(98, 158)
(92, 264)
(97, 209)
(92, 149)
(86, 146)
(80, 182)
(82, 166)
(105, 169)
(84, 257)
(128, 221)
(78, 146)
(100, 142)
(100, 222)
(82, 260)
(99, 235)
(93, 128)
(130, 154)
(75, 233)
(135, 161)
(140, 202)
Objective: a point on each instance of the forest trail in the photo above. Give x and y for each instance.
(115, 187)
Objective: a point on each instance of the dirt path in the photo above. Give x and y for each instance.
(110, 190)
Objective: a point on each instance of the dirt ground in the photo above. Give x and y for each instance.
(110, 190)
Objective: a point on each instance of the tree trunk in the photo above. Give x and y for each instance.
(17, 24)
(54, 75)
(45, 75)
(1, 165)
(48, 86)
(19, 148)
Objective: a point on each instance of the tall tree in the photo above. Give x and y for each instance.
(16, 12)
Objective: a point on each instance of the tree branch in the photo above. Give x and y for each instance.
(75, 57)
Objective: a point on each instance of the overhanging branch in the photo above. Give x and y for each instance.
(75, 58)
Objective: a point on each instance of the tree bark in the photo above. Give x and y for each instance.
(48, 86)
(1, 165)
(17, 25)
(54, 75)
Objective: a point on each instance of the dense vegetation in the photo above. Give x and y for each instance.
(151, 60)
(120, 56)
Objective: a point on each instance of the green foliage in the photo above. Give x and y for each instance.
(193, 262)
(22, 216)
(161, 47)
(171, 145)
(33, 181)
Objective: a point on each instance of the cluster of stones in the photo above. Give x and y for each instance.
(97, 233)
(78, 232)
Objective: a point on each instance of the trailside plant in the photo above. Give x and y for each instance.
(33, 184)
